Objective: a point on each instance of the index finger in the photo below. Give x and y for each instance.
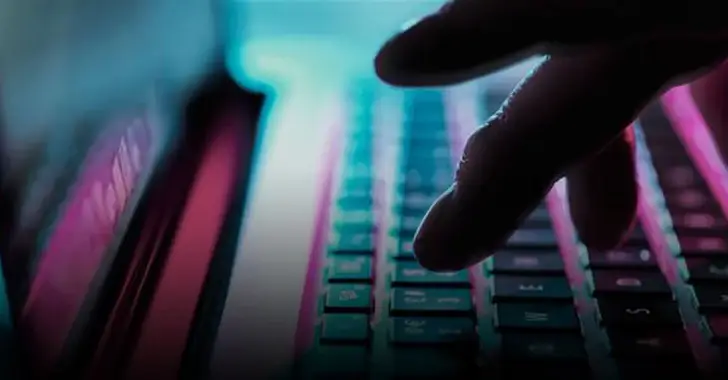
(467, 39)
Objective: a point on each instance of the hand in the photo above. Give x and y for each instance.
(568, 118)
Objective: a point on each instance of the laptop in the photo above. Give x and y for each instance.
(315, 278)
(117, 252)
(328, 286)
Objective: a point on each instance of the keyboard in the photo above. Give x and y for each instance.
(544, 305)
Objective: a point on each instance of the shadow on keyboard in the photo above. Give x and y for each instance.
(544, 305)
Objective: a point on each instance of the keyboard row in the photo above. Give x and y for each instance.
(533, 306)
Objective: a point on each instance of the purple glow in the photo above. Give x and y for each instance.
(82, 234)
(690, 126)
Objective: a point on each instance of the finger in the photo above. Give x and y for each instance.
(568, 109)
(471, 38)
(603, 194)
(710, 93)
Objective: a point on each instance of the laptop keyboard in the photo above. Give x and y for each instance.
(544, 305)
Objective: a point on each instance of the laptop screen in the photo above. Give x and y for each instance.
(81, 242)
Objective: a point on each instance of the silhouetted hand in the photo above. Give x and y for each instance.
(605, 61)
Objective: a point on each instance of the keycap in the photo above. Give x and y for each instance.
(629, 283)
(542, 347)
(353, 217)
(532, 238)
(340, 328)
(718, 325)
(418, 200)
(696, 222)
(692, 198)
(534, 288)
(702, 245)
(711, 298)
(434, 360)
(680, 177)
(545, 356)
(412, 274)
(431, 301)
(527, 262)
(404, 250)
(634, 258)
(353, 268)
(357, 184)
(638, 313)
(355, 202)
(354, 242)
(413, 212)
(348, 297)
(409, 225)
(340, 361)
(536, 316)
(707, 269)
(431, 330)
(656, 343)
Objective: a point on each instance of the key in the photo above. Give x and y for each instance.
(693, 198)
(638, 313)
(404, 250)
(696, 222)
(434, 360)
(353, 268)
(431, 301)
(628, 258)
(340, 361)
(630, 283)
(351, 242)
(355, 202)
(680, 177)
(718, 325)
(353, 217)
(702, 245)
(707, 269)
(345, 328)
(538, 316)
(357, 184)
(711, 298)
(409, 225)
(431, 330)
(418, 200)
(348, 297)
(413, 212)
(542, 347)
(547, 356)
(654, 344)
(527, 262)
(412, 274)
(532, 238)
(531, 288)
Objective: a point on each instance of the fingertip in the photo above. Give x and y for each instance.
(442, 242)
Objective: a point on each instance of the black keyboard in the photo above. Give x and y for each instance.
(544, 305)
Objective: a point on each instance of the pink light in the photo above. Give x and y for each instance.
(81, 237)
(690, 126)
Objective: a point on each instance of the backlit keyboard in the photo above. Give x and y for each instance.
(544, 305)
